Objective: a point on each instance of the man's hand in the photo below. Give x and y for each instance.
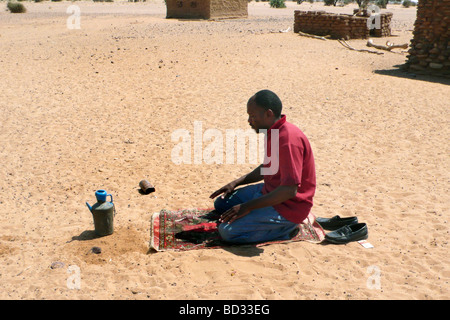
(227, 189)
(236, 212)
(277, 196)
(251, 177)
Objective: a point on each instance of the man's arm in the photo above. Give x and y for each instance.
(251, 177)
(277, 196)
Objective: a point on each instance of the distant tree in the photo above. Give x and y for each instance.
(277, 4)
(382, 3)
(330, 2)
(362, 4)
(408, 3)
(16, 7)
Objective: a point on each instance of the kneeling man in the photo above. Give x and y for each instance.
(270, 210)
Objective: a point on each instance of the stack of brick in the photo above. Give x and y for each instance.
(342, 26)
(430, 48)
(381, 23)
(385, 25)
(337, 26)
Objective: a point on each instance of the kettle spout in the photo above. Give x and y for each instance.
(90, 208)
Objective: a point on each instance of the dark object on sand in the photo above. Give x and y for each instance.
(354, 232)
(146, 187)
(96, 250)
(57, 264)
(103, 213)
(336, 222)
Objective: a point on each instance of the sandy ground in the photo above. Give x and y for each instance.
(95, 108)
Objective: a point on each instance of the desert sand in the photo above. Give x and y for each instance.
(95, 107)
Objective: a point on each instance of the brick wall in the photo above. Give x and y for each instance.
(229, 8)
(430, 48)
(188, 9)
(340, 26)
(206, 9)
(382, 30)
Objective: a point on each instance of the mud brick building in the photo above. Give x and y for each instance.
(430, 48)
(207, 9)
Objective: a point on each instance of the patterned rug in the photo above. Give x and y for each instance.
(190, 229)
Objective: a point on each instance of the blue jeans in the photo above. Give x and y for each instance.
(260, 225)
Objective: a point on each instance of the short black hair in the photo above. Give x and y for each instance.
(267, 99)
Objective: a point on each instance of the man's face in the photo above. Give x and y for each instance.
(257, 116)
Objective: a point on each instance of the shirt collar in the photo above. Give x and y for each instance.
(278, 124)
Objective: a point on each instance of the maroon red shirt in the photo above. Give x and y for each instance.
(295, 167)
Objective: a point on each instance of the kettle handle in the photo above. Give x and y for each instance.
(114, 206)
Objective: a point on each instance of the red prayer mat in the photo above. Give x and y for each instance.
(190, 229)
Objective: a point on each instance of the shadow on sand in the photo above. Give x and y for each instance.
(400, 72)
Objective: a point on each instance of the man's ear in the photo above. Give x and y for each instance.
(270, 113)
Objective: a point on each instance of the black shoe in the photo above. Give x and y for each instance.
(336, 222)
(354, 232)
(294, 232)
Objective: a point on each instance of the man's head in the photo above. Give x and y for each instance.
(264, 109)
